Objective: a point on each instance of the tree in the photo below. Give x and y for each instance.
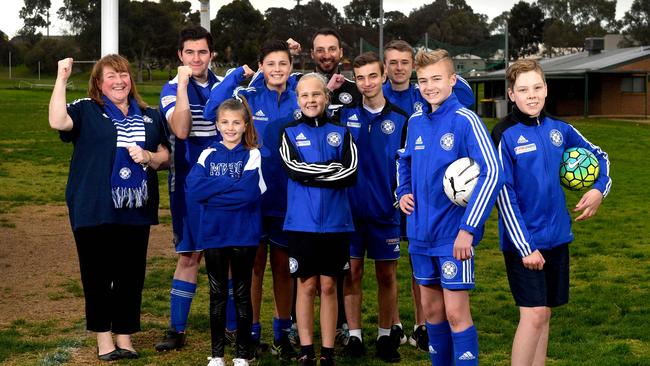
(525, 29)
(363, 12)
(451, 22)
(48, 51)
(35, 14)
(498, 24)
(579, 18)
(241, 29)
(636, 23)
(84, 17)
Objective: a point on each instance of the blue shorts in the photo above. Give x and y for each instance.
(548, 287)
(447, 272)
(187, 219)
(272, 232)
(380, 240)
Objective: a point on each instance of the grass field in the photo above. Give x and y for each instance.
(605, 323)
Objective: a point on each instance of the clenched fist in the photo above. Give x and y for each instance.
(64, 69)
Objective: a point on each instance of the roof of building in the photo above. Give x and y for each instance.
(580, 63)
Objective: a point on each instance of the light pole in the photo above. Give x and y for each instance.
(110, 27)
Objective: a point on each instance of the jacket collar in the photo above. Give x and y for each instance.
(449, 104)
(525, 119)
(316, 121)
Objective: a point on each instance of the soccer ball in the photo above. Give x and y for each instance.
(579, 168)
(460, 179)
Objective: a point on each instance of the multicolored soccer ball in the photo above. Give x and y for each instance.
(460, 179)
(579, 168)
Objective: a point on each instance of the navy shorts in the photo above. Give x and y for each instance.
(313, 254)
(548, 287)
(379, 240)
(272, 232)
(448, 272)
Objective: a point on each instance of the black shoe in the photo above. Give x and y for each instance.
(327, 361)
(258, 348)
(420, 338)
(387, 349)
(305, 360)
(171, 340)
(110, 356)
(354, 347)
(284, 349)
(127, 353)
(397, 335)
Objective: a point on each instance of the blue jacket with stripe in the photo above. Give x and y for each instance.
(378, 137)
(270, 111)
(227, 185)
(320, 158)
(532, 207)
(435, 140)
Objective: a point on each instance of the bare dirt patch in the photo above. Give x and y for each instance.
(39, 266)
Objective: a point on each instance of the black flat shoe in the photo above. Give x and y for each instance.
(110, 356)
(126, 353)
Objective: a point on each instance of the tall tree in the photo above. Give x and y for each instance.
(35, 14)
(451, 22)
(525, 29)
(363, 12)
(84, 17)
(636, 23)
(579, 18)
(241, 29)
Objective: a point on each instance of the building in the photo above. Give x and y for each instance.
(596, 82)
(466, 63)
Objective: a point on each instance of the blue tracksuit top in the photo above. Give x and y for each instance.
(378, 137)
(269, 111)
(227, 185)
(411, 100)
(532, 207)
(435, 140)
(320, 158)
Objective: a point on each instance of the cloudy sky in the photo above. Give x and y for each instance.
(10, 23)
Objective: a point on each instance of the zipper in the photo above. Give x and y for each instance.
(547, 171)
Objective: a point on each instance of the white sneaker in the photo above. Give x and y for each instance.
(216, 361)
(239, 362)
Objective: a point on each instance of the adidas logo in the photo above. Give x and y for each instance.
(353, 118)
(260, 113)
(419, 141)
(432, 350)
(396, 248)
(301, 136)
(522, 140)
(467, 356)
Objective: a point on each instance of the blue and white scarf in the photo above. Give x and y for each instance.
(128, 179)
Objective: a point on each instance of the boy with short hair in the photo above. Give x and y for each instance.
(441, 234)
(379, 130)
(534, 224)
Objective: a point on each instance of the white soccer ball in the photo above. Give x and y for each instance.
(460, 179)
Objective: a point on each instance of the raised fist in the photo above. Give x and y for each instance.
(64, 68)
(248, 72)
(184, 74)
(294, 47)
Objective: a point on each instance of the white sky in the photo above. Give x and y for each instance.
(10, 23)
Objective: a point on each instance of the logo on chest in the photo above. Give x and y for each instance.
(345, 98)
(301, 140)
(447, 141)
(556, 137)
(419, 144)
(334, 139)
(387, 127)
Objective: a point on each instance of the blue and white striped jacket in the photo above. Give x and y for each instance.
(435, 140)
(532, 207)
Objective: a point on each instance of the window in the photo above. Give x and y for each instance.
(634, 84)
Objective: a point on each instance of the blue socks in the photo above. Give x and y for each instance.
(180, 301)
(256, 332)
(281, 328)
(231, 313)
(440, 344)
(466, 346)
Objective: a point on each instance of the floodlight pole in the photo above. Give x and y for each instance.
(205, 14)
(110, 27)
(381, 30)
(506, 56)
(9, 64)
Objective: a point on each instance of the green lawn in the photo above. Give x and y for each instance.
(605, 322)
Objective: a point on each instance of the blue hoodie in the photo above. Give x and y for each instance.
(227, 185)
